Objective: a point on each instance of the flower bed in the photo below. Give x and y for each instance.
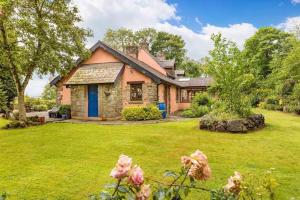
(253, 122)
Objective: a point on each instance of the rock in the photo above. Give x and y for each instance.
(221, 126)
(236, 126)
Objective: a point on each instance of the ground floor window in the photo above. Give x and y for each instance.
(136, 92)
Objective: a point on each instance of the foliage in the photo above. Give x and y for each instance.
(177, 185)
(262, 47)
(37, 104)
(39, 37)
(3, 99)
(49, 93)
(191, 67)
(8, 86)
(3, 196)
(156, 42)
(201, 105)
(138, 113)
(16, 124)
(226, 66)
(64, 110)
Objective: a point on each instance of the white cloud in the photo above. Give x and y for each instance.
(291, 24)
(295, 1)
(99, 15)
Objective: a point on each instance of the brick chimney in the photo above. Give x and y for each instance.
(132, 51)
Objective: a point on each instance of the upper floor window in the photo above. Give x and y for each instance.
(136, 92)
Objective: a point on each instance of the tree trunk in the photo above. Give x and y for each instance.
(21, 106)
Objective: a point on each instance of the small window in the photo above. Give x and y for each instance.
(136, 92)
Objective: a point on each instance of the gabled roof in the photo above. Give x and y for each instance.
(197, 82)
(167, 64)
(96, 73)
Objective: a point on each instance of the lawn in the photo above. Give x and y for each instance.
(70, 161)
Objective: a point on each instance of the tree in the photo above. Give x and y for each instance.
(8, 87)
(39, 36)
(49, 93)
(3, 99)
(191, 67)
(156, 42)
(261, 48)
(225, 66)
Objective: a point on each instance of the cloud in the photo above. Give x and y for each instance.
(291, 24)
(295, 1)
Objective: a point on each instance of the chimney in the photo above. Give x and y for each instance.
(132, 51)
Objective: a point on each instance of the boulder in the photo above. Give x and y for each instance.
(236, 126)
(221, 126)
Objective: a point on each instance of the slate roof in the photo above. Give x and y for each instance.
(167, 63)
(96, 73)
(197, 82)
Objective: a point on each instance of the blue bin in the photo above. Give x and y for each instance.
(162, 108)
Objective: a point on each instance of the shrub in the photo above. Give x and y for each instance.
(198, 111)
(272, 100)
(64, 110)
(15, 124)
(139, 113)
(40, 107)
(202, 99)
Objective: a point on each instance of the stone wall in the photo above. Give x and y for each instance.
(110, 100)
(78, 97)
(149, 94)
(244, 125)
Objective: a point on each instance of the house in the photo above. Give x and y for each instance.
(110, 80)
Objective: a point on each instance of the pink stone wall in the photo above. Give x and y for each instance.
(100, 56)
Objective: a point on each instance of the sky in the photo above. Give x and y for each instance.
(194, 20)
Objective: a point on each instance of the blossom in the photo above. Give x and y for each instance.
(144, 193)
(122, 168)
(234, 183)
(136, 176)
(198, 165)
(186, 161)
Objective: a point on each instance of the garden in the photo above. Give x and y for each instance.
(72, 161)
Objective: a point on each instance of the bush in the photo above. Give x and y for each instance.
(139, 113)
(272, 100)
(15, 124)
(40, 107)
(201, 99)
(64, 110)
(195, 112)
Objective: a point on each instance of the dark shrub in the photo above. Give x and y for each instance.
(139, 113)
(201, 99)
(15, 124)
(195, 112)
(64, 109)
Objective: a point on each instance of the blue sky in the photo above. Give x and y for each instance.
(223, 12)
(193, 20)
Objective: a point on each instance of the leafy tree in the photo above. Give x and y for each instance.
(226, 66)
(172, 46)
(261, 48)
(155, 42)
(8, 86)
(38, 36)
(49, 93)
(3, 99)
(191, 67)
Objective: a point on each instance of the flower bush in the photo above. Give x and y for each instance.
(195, 169)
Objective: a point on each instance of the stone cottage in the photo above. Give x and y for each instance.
(110, 80)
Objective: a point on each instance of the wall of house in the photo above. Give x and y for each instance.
(149, 60)
(78, 101)
(110, 100)
(149, 87)
(100, 56)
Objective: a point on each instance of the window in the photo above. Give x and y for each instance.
(136, 92)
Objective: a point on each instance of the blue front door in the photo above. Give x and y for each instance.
(93, 101)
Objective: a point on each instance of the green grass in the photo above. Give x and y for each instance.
(70, 161)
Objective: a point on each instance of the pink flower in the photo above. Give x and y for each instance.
(144, 193)
(136, 176)
(199, 168)
(234, 183)
(186, 161)
(122, 168)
